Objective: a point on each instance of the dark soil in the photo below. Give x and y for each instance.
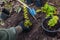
(55, 27)
(37, 32)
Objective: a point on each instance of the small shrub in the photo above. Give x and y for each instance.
(49, 10)
(53, 21)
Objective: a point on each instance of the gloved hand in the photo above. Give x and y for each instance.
(25, 29)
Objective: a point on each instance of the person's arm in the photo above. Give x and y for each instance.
(9, 34)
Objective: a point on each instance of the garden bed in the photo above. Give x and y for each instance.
(37, 32)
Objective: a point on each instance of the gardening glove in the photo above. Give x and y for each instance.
(8, 34)
(25, 29)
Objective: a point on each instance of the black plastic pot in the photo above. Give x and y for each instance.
(49, 32)
(5, 14)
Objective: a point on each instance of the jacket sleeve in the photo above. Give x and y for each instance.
(8, 34)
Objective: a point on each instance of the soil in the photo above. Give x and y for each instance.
(37, 32)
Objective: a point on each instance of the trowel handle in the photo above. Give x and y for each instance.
(23, 3)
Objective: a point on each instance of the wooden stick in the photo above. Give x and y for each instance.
(23, 4)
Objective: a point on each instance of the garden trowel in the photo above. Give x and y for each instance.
(31, 10)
